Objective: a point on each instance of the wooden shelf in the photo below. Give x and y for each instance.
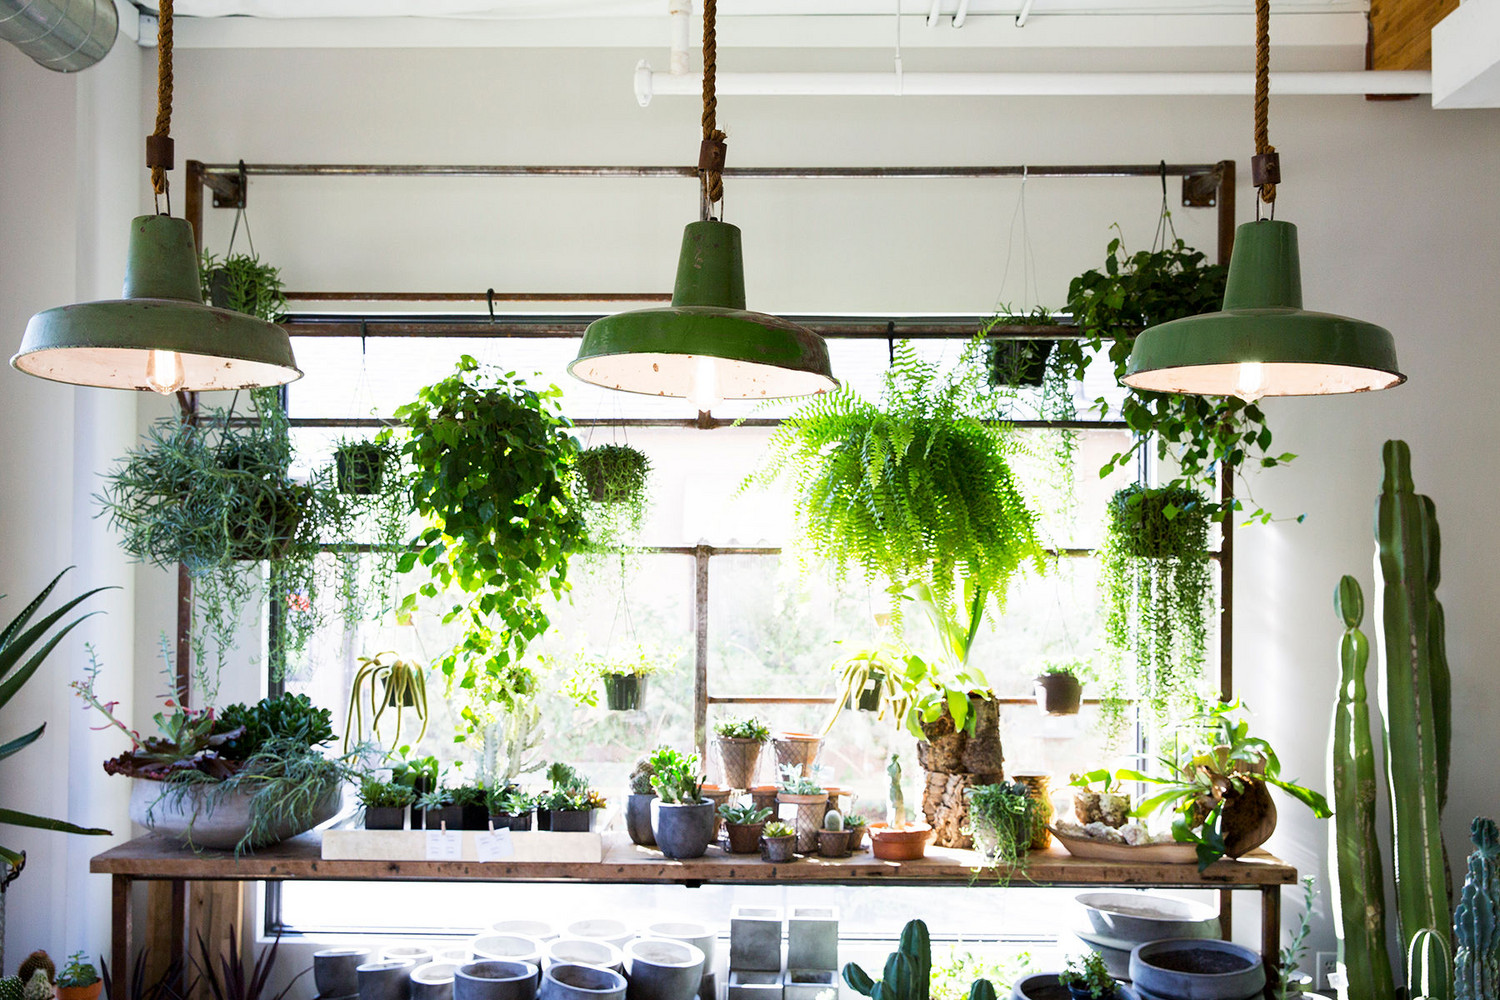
(157, 857)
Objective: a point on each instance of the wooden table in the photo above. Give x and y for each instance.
(155, 857)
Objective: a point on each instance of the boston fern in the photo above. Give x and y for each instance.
(916, 490)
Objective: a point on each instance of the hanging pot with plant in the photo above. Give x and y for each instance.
(243, 283)
(1010, 360)
(385, 684)
(359, 467)
(1058, 689)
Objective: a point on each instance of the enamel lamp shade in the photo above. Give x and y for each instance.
(1264, 343)
(159, 335)
(705, 346)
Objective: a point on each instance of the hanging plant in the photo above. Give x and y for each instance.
(217, 497)
(612, 480)
(1111, 307)
(1157, 586)
(244, 283)
(394, 685)
(372, 524)
(492, 467)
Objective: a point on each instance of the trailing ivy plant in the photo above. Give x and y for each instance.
(492, 464)
(1112, 306)
(916, 490)
(612, 487)
(244, 283)
(369, 529)
(1157, 585)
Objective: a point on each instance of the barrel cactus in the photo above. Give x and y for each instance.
(37, 960)
(10, 988)
(908, 970)
(833, 820)
(1476, 922)
(1359, 877)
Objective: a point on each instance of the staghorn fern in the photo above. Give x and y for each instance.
(918, 490)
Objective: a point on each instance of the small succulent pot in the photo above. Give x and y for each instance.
(833, 843)
(740, 758)
(381, 818)
(519, 821)
(856, 838)
(800, 749)
(662, 969)
(779, 850)
(359, 469)
(496, 980)
(624, 692)
(764, 797)
(810, 811)
(1059, 694)
(434, 981)
(572, 820)
(638, 819)
(334, 970)
(744, 838)
(582, 982)
(907, 843)
(451, 817)
(385, 980)
(684, 830)
(474, 817)
(89, 992)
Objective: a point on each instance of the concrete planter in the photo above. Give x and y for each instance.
(496, 981)
(385, 980)
(585, 951)
(638, 819)
(582, 982)
(616, 932)
(700, 936)
(685, 830)
(746, 984)
(808, 984)
(434, 981)
(812, 938)
(334, 970)
(508, 948)
(416, 954)
(810, 811)
(571, 820)
(663, 969)
(1197, 969)
(755, 940)
(539, 929)
(204, 816)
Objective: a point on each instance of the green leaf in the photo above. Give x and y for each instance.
(11, 817)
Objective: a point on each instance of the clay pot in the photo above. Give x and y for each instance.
(856, 838)
(89, 992)
(906, 844)
(1059, 694)
(779, 849)
(810, 811)
(796, 748)
(833, 843)
(744, 838)
(718, 796)
(739, 758)
(764, 797)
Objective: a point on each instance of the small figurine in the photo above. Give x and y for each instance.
(897, 816)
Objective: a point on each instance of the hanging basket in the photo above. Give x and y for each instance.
(359, 469)
(624, 692)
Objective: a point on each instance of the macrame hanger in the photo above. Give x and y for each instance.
(159, 154)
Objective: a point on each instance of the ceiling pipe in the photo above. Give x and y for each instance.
(62, 35)
(962, 14)
(934, 11)
(682, 17)
(649, 84)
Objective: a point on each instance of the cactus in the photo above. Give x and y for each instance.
(1476, 923)
(10, 988)
(1359, 877)
(37, 960)
(37, 987)
(833, 820)
(897, 817)
(1414, 698)
(908, 970)
(982, 989)
(1429, 966)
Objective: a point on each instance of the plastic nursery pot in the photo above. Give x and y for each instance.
(1059, 694)
(89, 992)
(624, 692)
(740, 758)
(359, 470)
(684, 830)
(744, 838)
(572, 820)
(435, 819)
(638, 819)
(778, 850)
(907, 843)
(384, 818)
(474, 817)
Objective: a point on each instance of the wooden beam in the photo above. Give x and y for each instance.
(1401, 32)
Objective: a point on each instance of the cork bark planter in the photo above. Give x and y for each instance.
(956, 760)
(740, 759)
(810, 812)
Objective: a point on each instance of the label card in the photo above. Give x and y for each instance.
(495, 845)
(443, 846)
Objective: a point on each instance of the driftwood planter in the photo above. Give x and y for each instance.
(956, 760)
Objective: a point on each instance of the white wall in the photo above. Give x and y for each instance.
(1393, 201)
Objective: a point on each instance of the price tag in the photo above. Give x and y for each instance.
(495, 845)
(445, 845)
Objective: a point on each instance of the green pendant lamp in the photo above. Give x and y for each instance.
(1264, 343)
(705, 346)
(159, 335)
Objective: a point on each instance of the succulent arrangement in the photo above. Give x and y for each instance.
(676, 777)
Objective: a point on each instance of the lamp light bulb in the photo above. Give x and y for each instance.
(1250, 383)
(164, 372)
(704, 392)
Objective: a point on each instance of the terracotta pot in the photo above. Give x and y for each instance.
(1059, 694)
(834, 843)
(739, 758)
(906, 844)
(89, 992)
(764, 797)
(810, 811)
(857, 838)
(718, 796)
(779, 849)
(744, 838)
(796, 748)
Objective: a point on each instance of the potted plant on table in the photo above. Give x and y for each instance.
(419, 774)
(856, 824)
(386, 685)
(438, 810)
(778, 842)
(78, 979)
(1088, 979)
(744, 824)
(833, 836)
(510, 809)
(1002, 818)
(739, 742)
(638, 805)
(624, 679)
(1059, 689)
(897, 839)
(570, 805)
(811, 800)
(684, 818)
(473, 802)
(384, 802)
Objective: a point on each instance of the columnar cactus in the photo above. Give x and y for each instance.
(982, 989)
(1476, 922)
(1359, 877)
(908, 970)
(1415, 698)
(1429, 966)
(37, 987)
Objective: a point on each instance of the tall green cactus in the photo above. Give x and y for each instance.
(1414, 697)
(982, 989)
(908, 970)
(1359, 877)
(1476, 922)
(1429, 966)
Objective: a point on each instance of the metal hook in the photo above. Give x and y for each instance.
(489, 297)
(364, 328)
(890, 341)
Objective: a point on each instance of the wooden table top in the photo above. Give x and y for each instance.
(157, 857)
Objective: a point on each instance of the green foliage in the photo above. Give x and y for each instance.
(243, 283)
(1089, 973)
(777, 830)
(18, 662)
(794, 782)
(908, 969)
(78, 971)
(642, 773)
(744, 815)
(570, 790)
(469, 796)
(916, 490)
(1156, 580)
(957, 975)
(676, 776)
(285, 716)
(1002, 819)
(743, 729)
(855, 821)
(437, 798)
(510, 803)
(377, 794)
(412, 771)
(370, 529)
(612, 488)
(1295, 950)
(493, 474)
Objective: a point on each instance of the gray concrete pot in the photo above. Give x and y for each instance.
(416, 954)
(700, 936)
(385, 980)
(539, 929)
(1197, 969)
(582, 982)
(492, 980)
(638, 820)
(585, 951)
(662, 969)
(334, 970)
(1138, 917)
(507, 948)
(433, 981)
(204, 816)
(683, 830)
(616, 932)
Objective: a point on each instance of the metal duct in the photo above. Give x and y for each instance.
(62, 35)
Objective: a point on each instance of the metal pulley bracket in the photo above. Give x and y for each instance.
(711, 155)
(1265, 168)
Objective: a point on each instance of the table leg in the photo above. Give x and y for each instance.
(1270, 934)
(1226, 914)
(119, 943)
(178, 941)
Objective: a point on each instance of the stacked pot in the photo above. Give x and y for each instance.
(758, 970)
